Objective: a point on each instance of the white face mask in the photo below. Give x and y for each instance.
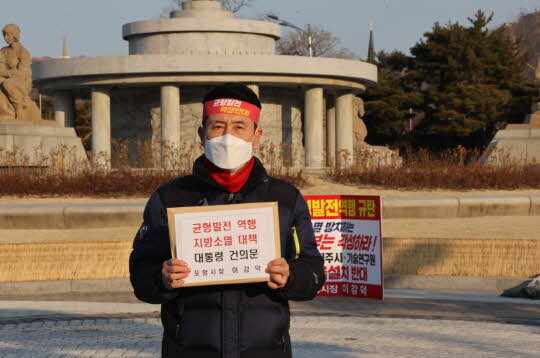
(228, 152)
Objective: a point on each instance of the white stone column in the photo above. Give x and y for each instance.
(344, 129)
(170, 125)
(331, 131)
(64, 112)
(101, 128)
(255, 88)
(313, 127)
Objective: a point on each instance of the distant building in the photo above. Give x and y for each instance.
(64, 55)
(372, 55)
(34, 93)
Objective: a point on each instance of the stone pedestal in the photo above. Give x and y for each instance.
(519, 143)
(39, 144)
(533, 120)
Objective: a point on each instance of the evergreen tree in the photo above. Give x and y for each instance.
(389, 103)
(466, 81)
(471, 72)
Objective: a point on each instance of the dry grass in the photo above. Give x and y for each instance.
(132, 174)
(462, 257)
(455, 169)
(89, 183)
(64, 261)
(447, 257)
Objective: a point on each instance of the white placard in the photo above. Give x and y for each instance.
(225, 244)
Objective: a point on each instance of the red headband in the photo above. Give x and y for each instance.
(232, 106)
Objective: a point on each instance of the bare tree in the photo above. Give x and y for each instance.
(324, 44)
(235, 5)
(231, 5)
(527, 29)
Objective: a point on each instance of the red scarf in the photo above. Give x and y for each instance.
(231, 182)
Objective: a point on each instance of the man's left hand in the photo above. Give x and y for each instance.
(279, 273)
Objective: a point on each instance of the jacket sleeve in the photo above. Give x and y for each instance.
(307, 270)
(151, 247)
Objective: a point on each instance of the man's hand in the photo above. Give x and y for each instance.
(279, 273)
(173, 273)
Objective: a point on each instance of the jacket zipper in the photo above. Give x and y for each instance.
(222, 323)
(230, 198)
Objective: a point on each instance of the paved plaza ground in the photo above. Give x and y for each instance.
(407, 324)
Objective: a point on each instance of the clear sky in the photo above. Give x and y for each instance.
(93, 27)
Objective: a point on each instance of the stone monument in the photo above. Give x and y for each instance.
(153, 93)
(26, 139)
(16, 78)
(368, 156)
(519, 143)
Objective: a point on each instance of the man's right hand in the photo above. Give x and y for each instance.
(173, 273)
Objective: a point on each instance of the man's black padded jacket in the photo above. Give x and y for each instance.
(229, 321)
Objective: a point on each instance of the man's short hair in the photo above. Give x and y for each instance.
(234, 91)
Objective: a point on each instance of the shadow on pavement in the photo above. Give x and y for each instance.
(412, 260)
(476, 346)
(73, 337)
(421, 309)
(322, 350)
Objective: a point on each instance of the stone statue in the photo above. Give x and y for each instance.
(16, 78)
(359, 127)
(369, 155)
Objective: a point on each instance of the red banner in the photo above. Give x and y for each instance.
(352, 290)
(348, 234)
(344, 207)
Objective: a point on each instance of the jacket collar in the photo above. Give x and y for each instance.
(258, 175)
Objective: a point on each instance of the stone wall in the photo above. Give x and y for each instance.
(135, 115)
(136, 121)
(203, 43)
(191, 111)
(281, 121)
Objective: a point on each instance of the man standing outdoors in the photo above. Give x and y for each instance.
(227, 321)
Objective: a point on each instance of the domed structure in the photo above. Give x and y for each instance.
(154, 93)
